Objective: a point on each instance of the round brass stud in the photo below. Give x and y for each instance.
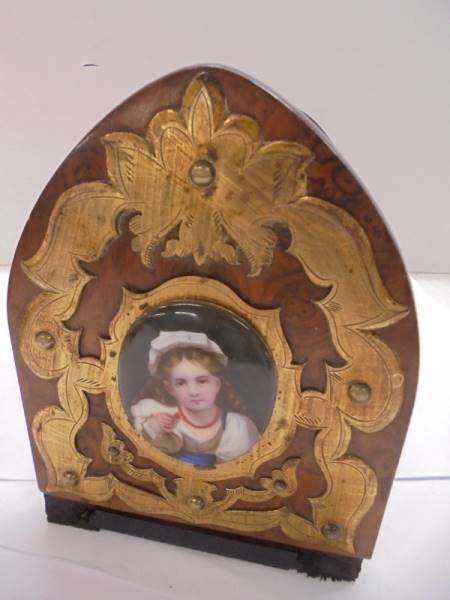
(196, 503)
(359, 391)
(113, 452)
(202, 172)
(280, 485)
(331, 531)
(70, 479)
(45, 340)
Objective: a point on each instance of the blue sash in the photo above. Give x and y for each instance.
(196, 458)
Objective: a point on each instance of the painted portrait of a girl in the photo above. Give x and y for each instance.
(189, 409)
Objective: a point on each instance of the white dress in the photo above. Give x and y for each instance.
(227, 440)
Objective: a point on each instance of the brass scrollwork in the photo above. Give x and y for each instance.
(209, 174)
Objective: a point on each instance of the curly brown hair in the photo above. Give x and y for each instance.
(154, 386)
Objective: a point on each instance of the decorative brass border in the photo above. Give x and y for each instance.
(224, 188)
(266, 323)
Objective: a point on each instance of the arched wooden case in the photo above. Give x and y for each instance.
(205, 205)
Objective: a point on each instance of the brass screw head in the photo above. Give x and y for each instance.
(196, 503)
(359, 391)
(113, 451)
(280, 485)
(331, 531)
(202, 172)
(70, 479)
(45, 340)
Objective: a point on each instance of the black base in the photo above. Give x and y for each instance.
(314, 564)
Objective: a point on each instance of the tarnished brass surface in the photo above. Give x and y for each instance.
(221, 216)
(359, 391)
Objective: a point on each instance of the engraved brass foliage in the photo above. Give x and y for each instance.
(223, 211)
(250, 178)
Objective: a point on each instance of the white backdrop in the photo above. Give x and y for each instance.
(374, 75)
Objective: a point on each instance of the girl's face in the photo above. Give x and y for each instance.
(193, 386)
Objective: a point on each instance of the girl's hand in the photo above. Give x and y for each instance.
(163, 422)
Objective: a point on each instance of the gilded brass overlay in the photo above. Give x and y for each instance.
(225, 216)
(281, 427)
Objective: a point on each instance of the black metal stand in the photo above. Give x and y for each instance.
(314, 564)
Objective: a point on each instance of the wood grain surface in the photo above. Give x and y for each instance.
(283, 284)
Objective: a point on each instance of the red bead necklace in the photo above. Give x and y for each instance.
(184, 418)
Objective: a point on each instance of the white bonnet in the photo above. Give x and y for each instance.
(167, 340)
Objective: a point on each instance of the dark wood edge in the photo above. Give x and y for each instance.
(313, 564)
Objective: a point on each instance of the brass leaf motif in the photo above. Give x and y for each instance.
(225, 216)
(251, 178)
